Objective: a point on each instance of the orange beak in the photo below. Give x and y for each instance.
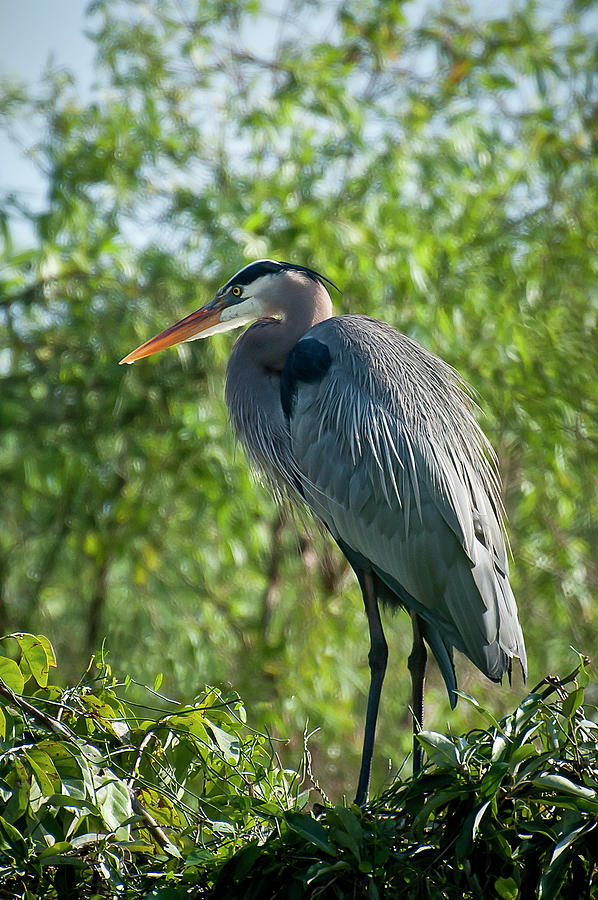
(184, 330)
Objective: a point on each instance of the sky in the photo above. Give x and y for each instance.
(31, 32)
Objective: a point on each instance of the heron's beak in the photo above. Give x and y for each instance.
(185, 330)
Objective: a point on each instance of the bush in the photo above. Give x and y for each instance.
(507, 812)
(101, 795)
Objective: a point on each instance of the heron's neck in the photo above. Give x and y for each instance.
(253, 380)
(270, 340)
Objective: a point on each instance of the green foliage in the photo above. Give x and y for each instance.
(98, 793)
(96, 798)
(510, 811)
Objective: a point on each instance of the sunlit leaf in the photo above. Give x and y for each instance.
(35, 654)
(506, 888)
(11, 675)
(439, 749)
(114, 801)
(560, 783)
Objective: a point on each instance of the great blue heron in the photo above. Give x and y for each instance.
(377, 437)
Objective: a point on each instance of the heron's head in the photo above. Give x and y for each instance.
(260, 289)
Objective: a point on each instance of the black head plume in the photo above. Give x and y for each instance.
(256, 270)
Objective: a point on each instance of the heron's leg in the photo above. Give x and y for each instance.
(417, 666)
(378, 657)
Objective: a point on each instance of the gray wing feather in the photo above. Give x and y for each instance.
(393, 462)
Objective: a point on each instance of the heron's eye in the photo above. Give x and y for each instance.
(236, 291)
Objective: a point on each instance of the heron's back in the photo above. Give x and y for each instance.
(393, 461)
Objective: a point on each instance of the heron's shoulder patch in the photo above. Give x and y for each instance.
(307, 362)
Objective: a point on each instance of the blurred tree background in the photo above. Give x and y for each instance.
(441, 166)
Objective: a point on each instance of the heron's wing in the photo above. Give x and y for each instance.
(393, 462)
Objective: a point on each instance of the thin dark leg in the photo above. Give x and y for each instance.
(417, 666)
(378, 657)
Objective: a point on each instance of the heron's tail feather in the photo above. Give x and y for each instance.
(443, 654)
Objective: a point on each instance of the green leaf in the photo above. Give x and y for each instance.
(506, 888)
(238, 867)
(310, 829)
(57, 848)
(44, 770)
(349, 822)
(35, 654)
(492, 778)
(74, 803)
(113, 800)
(569, 838)
(522, 753)
(49, 650)
(436, 800)
(439, 749)
(470, 830)
(11, 675)
(560, 783)
(478, 706)
(222, 827)
(572, 702)
(501, 746)
(228, 743)
(11, 840)
(478, 818)
(165, 893)
(66, 759)
(554, 875)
